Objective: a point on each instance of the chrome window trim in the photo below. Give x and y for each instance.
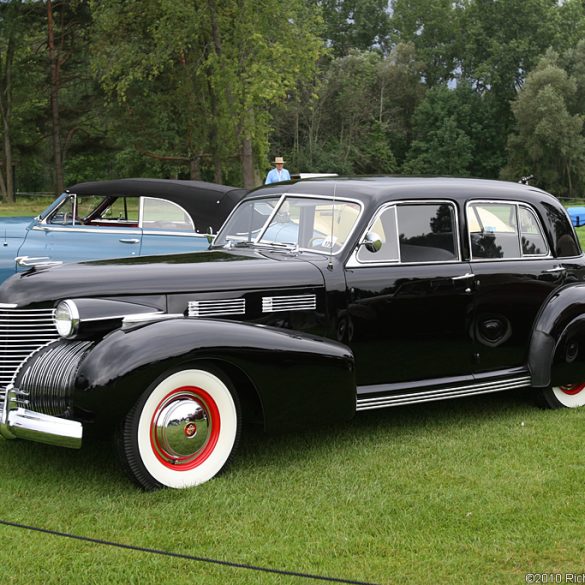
(354, 262)
(281, 199)
(86, 229)
(516, 204)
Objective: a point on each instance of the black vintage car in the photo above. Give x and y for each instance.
(318, 299)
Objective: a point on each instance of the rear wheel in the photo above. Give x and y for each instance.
(182, 431)
(566, 396)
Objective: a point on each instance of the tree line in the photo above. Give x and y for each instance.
(214, 89)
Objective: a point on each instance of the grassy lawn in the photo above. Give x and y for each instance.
(481, 490)
(25, 206)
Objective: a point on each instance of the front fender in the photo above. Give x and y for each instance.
(298, 378)
(561, 319)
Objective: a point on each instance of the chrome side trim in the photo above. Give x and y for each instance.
(87, 230)
(441, 393)
(149, 317)
(289, 303)
(20, 423)
(215, 307)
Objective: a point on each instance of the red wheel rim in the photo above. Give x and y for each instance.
(572, 389)
(202, 399)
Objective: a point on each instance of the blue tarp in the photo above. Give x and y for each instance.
(577, 215)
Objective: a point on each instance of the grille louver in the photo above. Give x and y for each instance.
(213, 308)
(289, 303)
(22, 331)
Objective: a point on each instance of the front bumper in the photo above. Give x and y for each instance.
(19, 423)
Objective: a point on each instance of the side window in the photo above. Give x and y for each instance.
(426, 232)
(65, 213)
(504, 231)
(121, 209)
(385, 228)
(533, 242)
(165, 215)
(493, 230)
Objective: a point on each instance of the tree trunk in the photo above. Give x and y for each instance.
(247, 161)
(54, 100)
(195, 169)
(7, 178)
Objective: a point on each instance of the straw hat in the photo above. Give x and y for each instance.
(278, 160)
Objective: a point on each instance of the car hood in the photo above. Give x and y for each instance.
(14, 227)
(161, 275)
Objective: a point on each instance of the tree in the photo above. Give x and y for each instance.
(195, 81)
(442, 143)
(356, 25)
(548, 141)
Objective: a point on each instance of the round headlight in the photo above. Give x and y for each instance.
(66, 319)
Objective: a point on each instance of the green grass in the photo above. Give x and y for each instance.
(481, 490)
(25, 206)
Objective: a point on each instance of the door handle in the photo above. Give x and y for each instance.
(557, 269)
(462, 277)
(129, 241)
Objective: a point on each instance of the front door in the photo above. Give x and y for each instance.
(410, 303)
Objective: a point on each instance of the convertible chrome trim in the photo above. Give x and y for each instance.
(20, 423)
(416, 397)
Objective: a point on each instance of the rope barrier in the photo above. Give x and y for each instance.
(185, 556)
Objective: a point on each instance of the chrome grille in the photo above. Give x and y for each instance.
(217, 307)
(289, 303)
(48, 378)
(22, 331)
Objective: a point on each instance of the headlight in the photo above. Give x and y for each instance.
(66, 319)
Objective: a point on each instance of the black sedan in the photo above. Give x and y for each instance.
(317, 300)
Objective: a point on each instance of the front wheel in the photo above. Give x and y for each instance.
(182, 431)
(567, 396)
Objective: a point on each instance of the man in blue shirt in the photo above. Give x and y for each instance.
(279, 173)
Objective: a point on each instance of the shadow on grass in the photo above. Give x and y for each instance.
(97, 460)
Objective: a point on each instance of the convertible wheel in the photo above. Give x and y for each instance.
(567, 396)
(182, 431)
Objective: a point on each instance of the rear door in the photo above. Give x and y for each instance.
(514, 274)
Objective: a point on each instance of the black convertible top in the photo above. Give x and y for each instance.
(208, 204)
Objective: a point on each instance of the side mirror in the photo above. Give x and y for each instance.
(372, 241)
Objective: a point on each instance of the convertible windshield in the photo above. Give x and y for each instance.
(307, 223)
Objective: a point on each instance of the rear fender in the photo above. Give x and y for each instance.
(552, 358)
(298, 378)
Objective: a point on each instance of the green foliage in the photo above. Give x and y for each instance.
(201, 88)
(548, 141)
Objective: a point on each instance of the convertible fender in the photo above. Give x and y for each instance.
(298, 378)
(559, 325)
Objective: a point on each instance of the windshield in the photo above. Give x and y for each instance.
(306, 223)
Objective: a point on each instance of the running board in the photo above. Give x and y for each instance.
(417, 397)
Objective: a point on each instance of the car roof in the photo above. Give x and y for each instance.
(385, 188)
(207, 203)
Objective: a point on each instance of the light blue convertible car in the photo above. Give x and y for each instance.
(111, 219)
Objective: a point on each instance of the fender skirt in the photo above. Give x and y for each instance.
(561, 320)
(299, 378)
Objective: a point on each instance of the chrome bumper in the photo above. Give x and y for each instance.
(19, 423)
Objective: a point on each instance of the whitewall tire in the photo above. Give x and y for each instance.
(182, 431)
(566, 396)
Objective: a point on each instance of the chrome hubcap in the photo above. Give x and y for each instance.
(181, 427)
